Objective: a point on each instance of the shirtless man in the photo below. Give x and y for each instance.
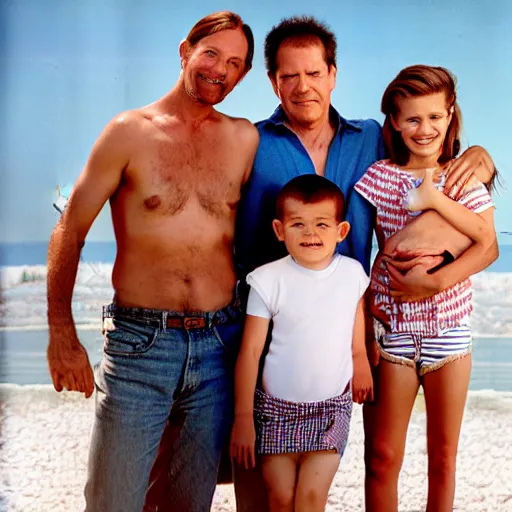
(173, 173)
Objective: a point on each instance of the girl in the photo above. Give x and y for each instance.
(424, 342)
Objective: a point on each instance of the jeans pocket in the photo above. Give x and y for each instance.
(229, 335)
(126, 337)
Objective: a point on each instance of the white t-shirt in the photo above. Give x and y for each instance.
(313, 311)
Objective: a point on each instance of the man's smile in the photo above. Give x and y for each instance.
(213, 81)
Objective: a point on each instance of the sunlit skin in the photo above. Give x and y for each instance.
(310, 232)
(176, 162)
(423, 122)
(303, 82)
(445, 225)
(213, 67)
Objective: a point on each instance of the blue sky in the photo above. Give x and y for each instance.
(67, 67)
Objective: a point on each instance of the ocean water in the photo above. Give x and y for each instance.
(35, 253)
(23, 358)
(24, 334)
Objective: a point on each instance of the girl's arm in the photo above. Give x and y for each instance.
(246, 374)
(471, 224)
(474, 259)
(370, 311)
(417, 284)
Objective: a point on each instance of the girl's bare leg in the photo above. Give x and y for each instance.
(316, 472)
(445, 396)
(280, 475)
(385, 423)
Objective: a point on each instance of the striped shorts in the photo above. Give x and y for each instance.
(424, 352)
(297, 427)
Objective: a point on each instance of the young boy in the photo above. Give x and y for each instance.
(314, 298)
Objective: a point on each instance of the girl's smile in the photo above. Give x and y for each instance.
(423, 122)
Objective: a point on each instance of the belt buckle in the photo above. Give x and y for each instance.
(191, 322)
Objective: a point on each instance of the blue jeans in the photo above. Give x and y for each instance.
(150, 373)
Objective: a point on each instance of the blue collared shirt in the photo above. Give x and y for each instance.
(280, 157)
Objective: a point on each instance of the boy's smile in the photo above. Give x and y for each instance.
(310, 231)
(313, 245)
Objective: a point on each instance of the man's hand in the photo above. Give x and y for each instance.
(362, 382)
(416, 284)
(474, 161)
(243, 440)
(69, 365)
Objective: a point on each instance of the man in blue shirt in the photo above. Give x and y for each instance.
(282, 154)
(304, 135)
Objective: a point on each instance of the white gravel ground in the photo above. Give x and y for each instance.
(45, 437)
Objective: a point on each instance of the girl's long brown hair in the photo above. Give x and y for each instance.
(420, 80)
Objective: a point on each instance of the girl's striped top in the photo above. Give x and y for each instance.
(385, 186)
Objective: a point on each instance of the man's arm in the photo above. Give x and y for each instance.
(242, 446)
(474, 161)
(67, 359)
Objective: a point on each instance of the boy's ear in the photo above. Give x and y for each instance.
(343, 230)
(278, 229)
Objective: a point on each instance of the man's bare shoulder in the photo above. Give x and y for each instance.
(132, 119)
(127, 127)
(245, 130)
(239, 122)
(246, 137)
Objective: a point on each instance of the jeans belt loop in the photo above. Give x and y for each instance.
(211, 318)
(103, 316)
(163, 321)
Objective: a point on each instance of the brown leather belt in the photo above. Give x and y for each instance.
(232, 312)
(187, 322)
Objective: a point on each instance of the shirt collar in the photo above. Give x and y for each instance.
(278, 118)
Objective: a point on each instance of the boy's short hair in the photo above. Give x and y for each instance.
(311, 188)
